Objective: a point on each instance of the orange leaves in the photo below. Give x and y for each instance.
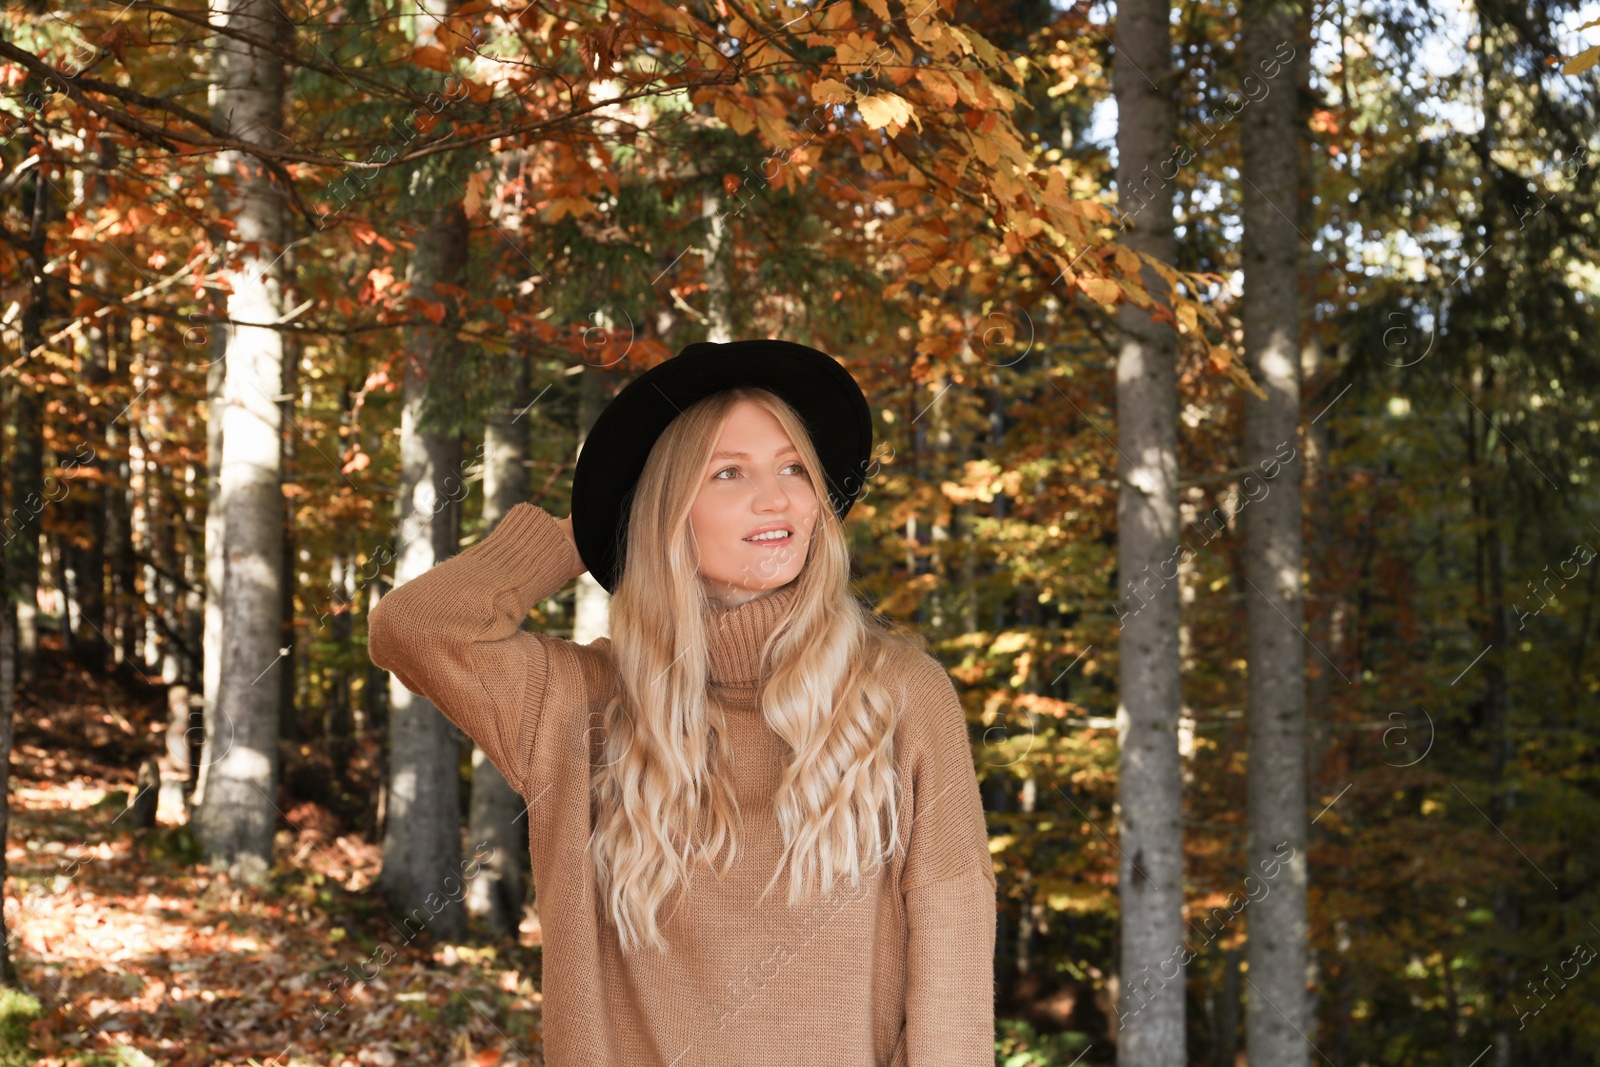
(472, 200)
(942, 86)
(599, 48)
(432, 57)
(368, 236)
(576, 206)
(379, 279)
(358, 461)
(117, 39)
(735, 112)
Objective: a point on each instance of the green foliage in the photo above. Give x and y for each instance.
(1017, 1044)
(17, 1010)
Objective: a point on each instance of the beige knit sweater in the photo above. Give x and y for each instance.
(898, 973)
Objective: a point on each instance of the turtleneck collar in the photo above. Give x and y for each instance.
(734, 636)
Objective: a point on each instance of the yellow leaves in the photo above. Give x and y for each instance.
(1029, 225)
(831, 91)
(1127, 260)
(983, 481)
(1082, 898)
(887, 111)
(1010, 641)
(1586, 59)
(1188, 318)
(1101, 290)
(739, 118)
(905, 597)
(879, 8)
(987, 149)
(853, 51)
(432, 57)
(1583, 61)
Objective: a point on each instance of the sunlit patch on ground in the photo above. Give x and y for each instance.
(140, 955)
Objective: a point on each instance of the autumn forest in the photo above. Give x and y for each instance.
(1234, 376)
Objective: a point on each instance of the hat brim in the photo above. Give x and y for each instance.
(613, 456)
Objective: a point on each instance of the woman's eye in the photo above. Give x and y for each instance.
(798, 468)
(725, 470)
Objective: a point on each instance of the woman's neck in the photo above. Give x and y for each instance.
(736, 635)
(728, 596)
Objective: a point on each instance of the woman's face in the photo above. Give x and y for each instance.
(754, 484)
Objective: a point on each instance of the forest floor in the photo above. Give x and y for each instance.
(138, 954)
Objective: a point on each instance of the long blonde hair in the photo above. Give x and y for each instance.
(664, 768)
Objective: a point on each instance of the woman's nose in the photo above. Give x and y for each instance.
(770, 495)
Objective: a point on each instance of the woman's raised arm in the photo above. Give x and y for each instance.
(453, 634)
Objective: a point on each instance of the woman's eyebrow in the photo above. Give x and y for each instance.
(745, 455)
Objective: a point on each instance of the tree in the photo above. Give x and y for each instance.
(238, 815)
(1149, 785)
(1277, 1013)
(497, 818)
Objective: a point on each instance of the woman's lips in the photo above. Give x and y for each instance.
(765, 541)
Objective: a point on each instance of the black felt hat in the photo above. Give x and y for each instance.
(613, 455)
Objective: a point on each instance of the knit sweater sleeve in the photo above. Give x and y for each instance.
(949, 889)
(453, 634)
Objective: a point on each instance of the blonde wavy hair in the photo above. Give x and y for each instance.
(663, 799)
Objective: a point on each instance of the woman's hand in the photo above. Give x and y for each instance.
(566, 528)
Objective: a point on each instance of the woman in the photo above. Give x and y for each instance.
(747, 716)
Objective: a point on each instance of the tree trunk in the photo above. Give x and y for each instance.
(122, 617)
(24, 521)
(1151, 1029)
(1277, 1010)
(592, 610)
(215, 527)
(236, 823)
(25, 518)
(496, 819)
(31, 496)
(8, 690)
(288, 671)
(719, 288)
(422, 823)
